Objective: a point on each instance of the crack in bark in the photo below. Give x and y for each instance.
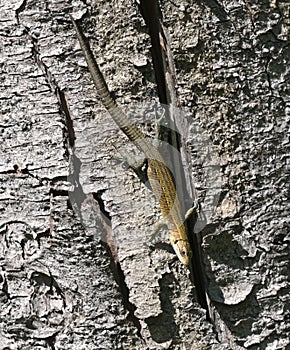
(165, 80)
(20, 9)
(115, 266)
(51, 80)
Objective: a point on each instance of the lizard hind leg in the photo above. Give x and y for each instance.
(131, 160)
(157, 231)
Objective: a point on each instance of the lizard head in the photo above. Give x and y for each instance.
(182, 250)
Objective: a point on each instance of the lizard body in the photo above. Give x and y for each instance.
(159, 175)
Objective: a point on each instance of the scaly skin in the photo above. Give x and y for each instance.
(159, 176)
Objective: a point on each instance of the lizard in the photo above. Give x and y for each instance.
(160, 177)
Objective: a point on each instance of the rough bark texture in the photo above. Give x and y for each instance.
(61, 287)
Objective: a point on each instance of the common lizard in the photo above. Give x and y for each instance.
(159, 176)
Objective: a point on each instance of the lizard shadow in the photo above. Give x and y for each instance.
(163, 327)
(231, 290)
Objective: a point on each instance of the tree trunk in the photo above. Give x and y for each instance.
(77, 271)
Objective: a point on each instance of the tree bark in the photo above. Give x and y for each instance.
(77, 271)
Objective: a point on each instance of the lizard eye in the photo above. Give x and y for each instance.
(182, 252)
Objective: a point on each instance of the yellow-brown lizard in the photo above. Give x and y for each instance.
(159, 176)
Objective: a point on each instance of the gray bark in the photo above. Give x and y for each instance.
(71, 278)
